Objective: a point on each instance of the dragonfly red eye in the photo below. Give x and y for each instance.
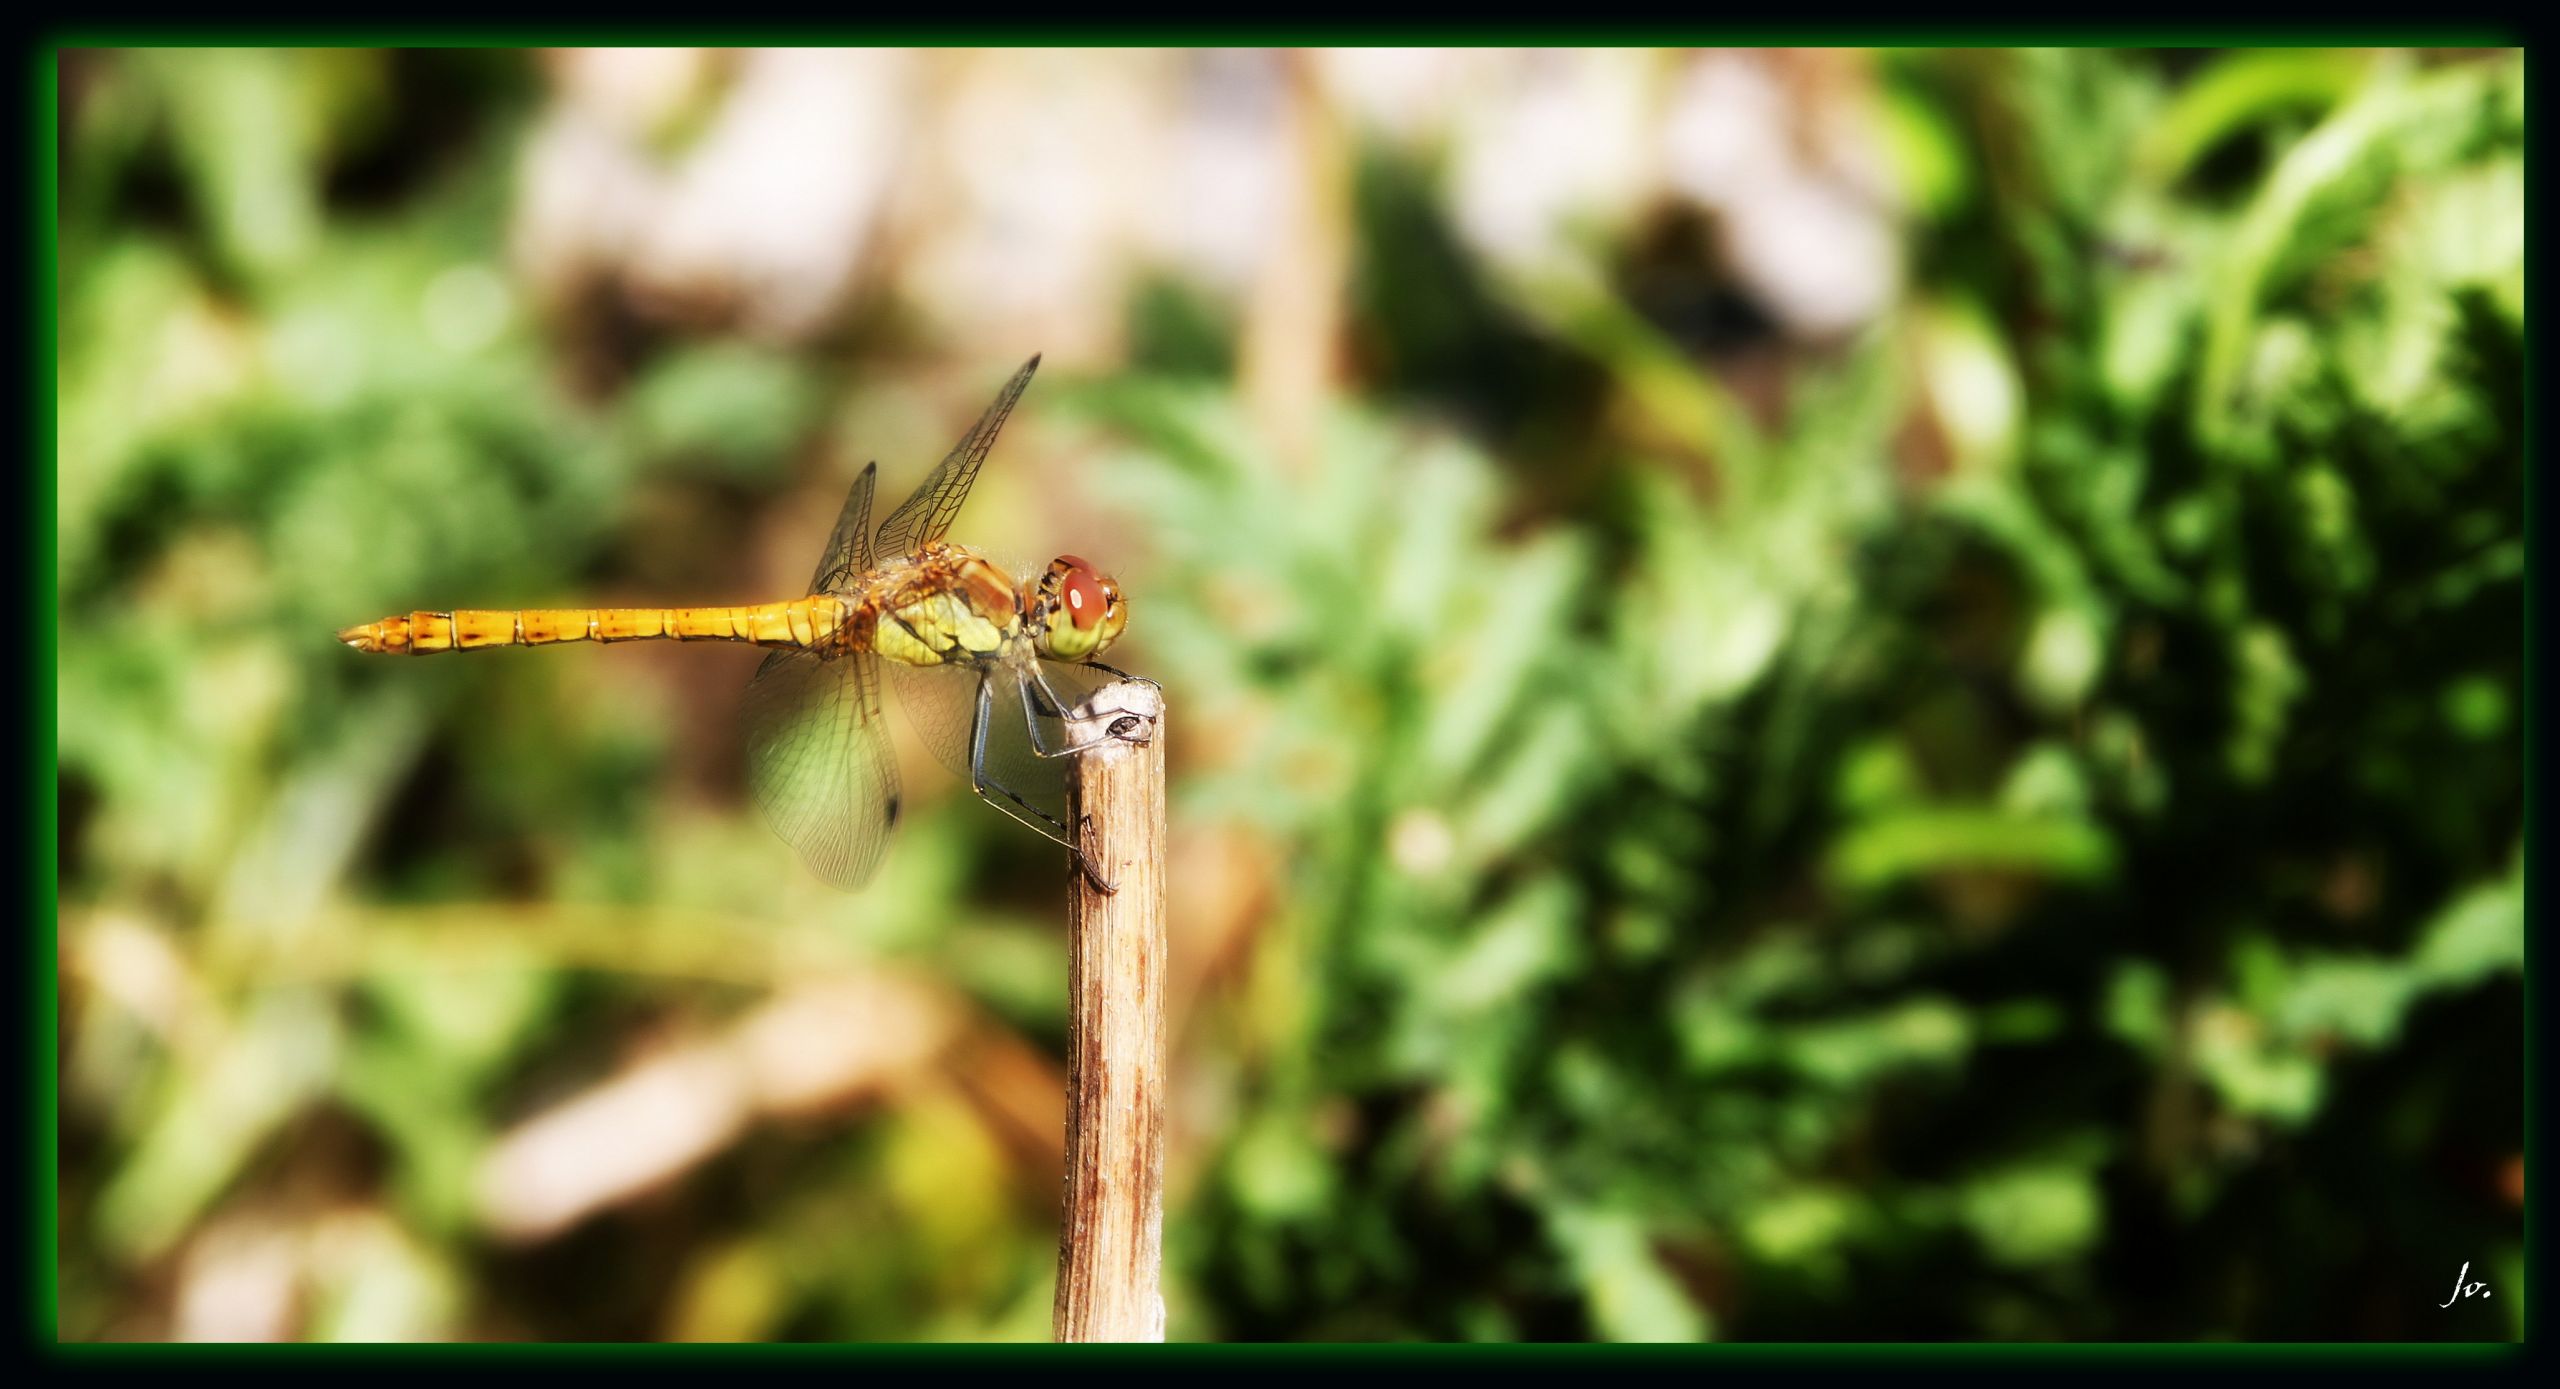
(1079, 610)
(1082, 595)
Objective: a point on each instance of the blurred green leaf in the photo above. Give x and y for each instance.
(2242, 90)
(1893, 847)
(724, 410)
(2033, 1215)
(1632, 1297)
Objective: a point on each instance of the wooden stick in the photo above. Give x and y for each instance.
(1111, 1233)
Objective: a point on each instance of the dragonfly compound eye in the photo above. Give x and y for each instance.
(1083, 609)
(1083, 600)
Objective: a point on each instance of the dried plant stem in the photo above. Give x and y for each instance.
(1111, 1235)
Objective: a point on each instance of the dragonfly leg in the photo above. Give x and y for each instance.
(1055, 708)
(996, 794)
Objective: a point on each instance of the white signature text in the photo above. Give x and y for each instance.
(2463, 1288)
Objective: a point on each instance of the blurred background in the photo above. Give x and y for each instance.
(1815, 694)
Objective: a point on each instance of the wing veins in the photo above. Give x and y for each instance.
(819, 761)
(927, 515)
(848, 549)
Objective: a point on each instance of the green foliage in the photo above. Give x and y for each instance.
(2007, 826)
(1638, 1037)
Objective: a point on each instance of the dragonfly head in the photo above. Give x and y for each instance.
(1076, 610)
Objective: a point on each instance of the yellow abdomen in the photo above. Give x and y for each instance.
(815, 622)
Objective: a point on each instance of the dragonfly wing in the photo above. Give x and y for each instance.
(818, 759)
(943, 703)
(926, 516)
(849, 549)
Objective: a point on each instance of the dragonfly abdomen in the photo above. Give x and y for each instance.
(802, 622)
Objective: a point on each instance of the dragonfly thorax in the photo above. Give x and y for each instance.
(948, 606)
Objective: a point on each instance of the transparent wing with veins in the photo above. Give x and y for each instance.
(1011, 775)
(927, 516)
(848, 551)
(818, 756)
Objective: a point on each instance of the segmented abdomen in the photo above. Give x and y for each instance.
(816, 621)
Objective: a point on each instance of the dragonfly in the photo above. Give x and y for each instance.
(1000, 678)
